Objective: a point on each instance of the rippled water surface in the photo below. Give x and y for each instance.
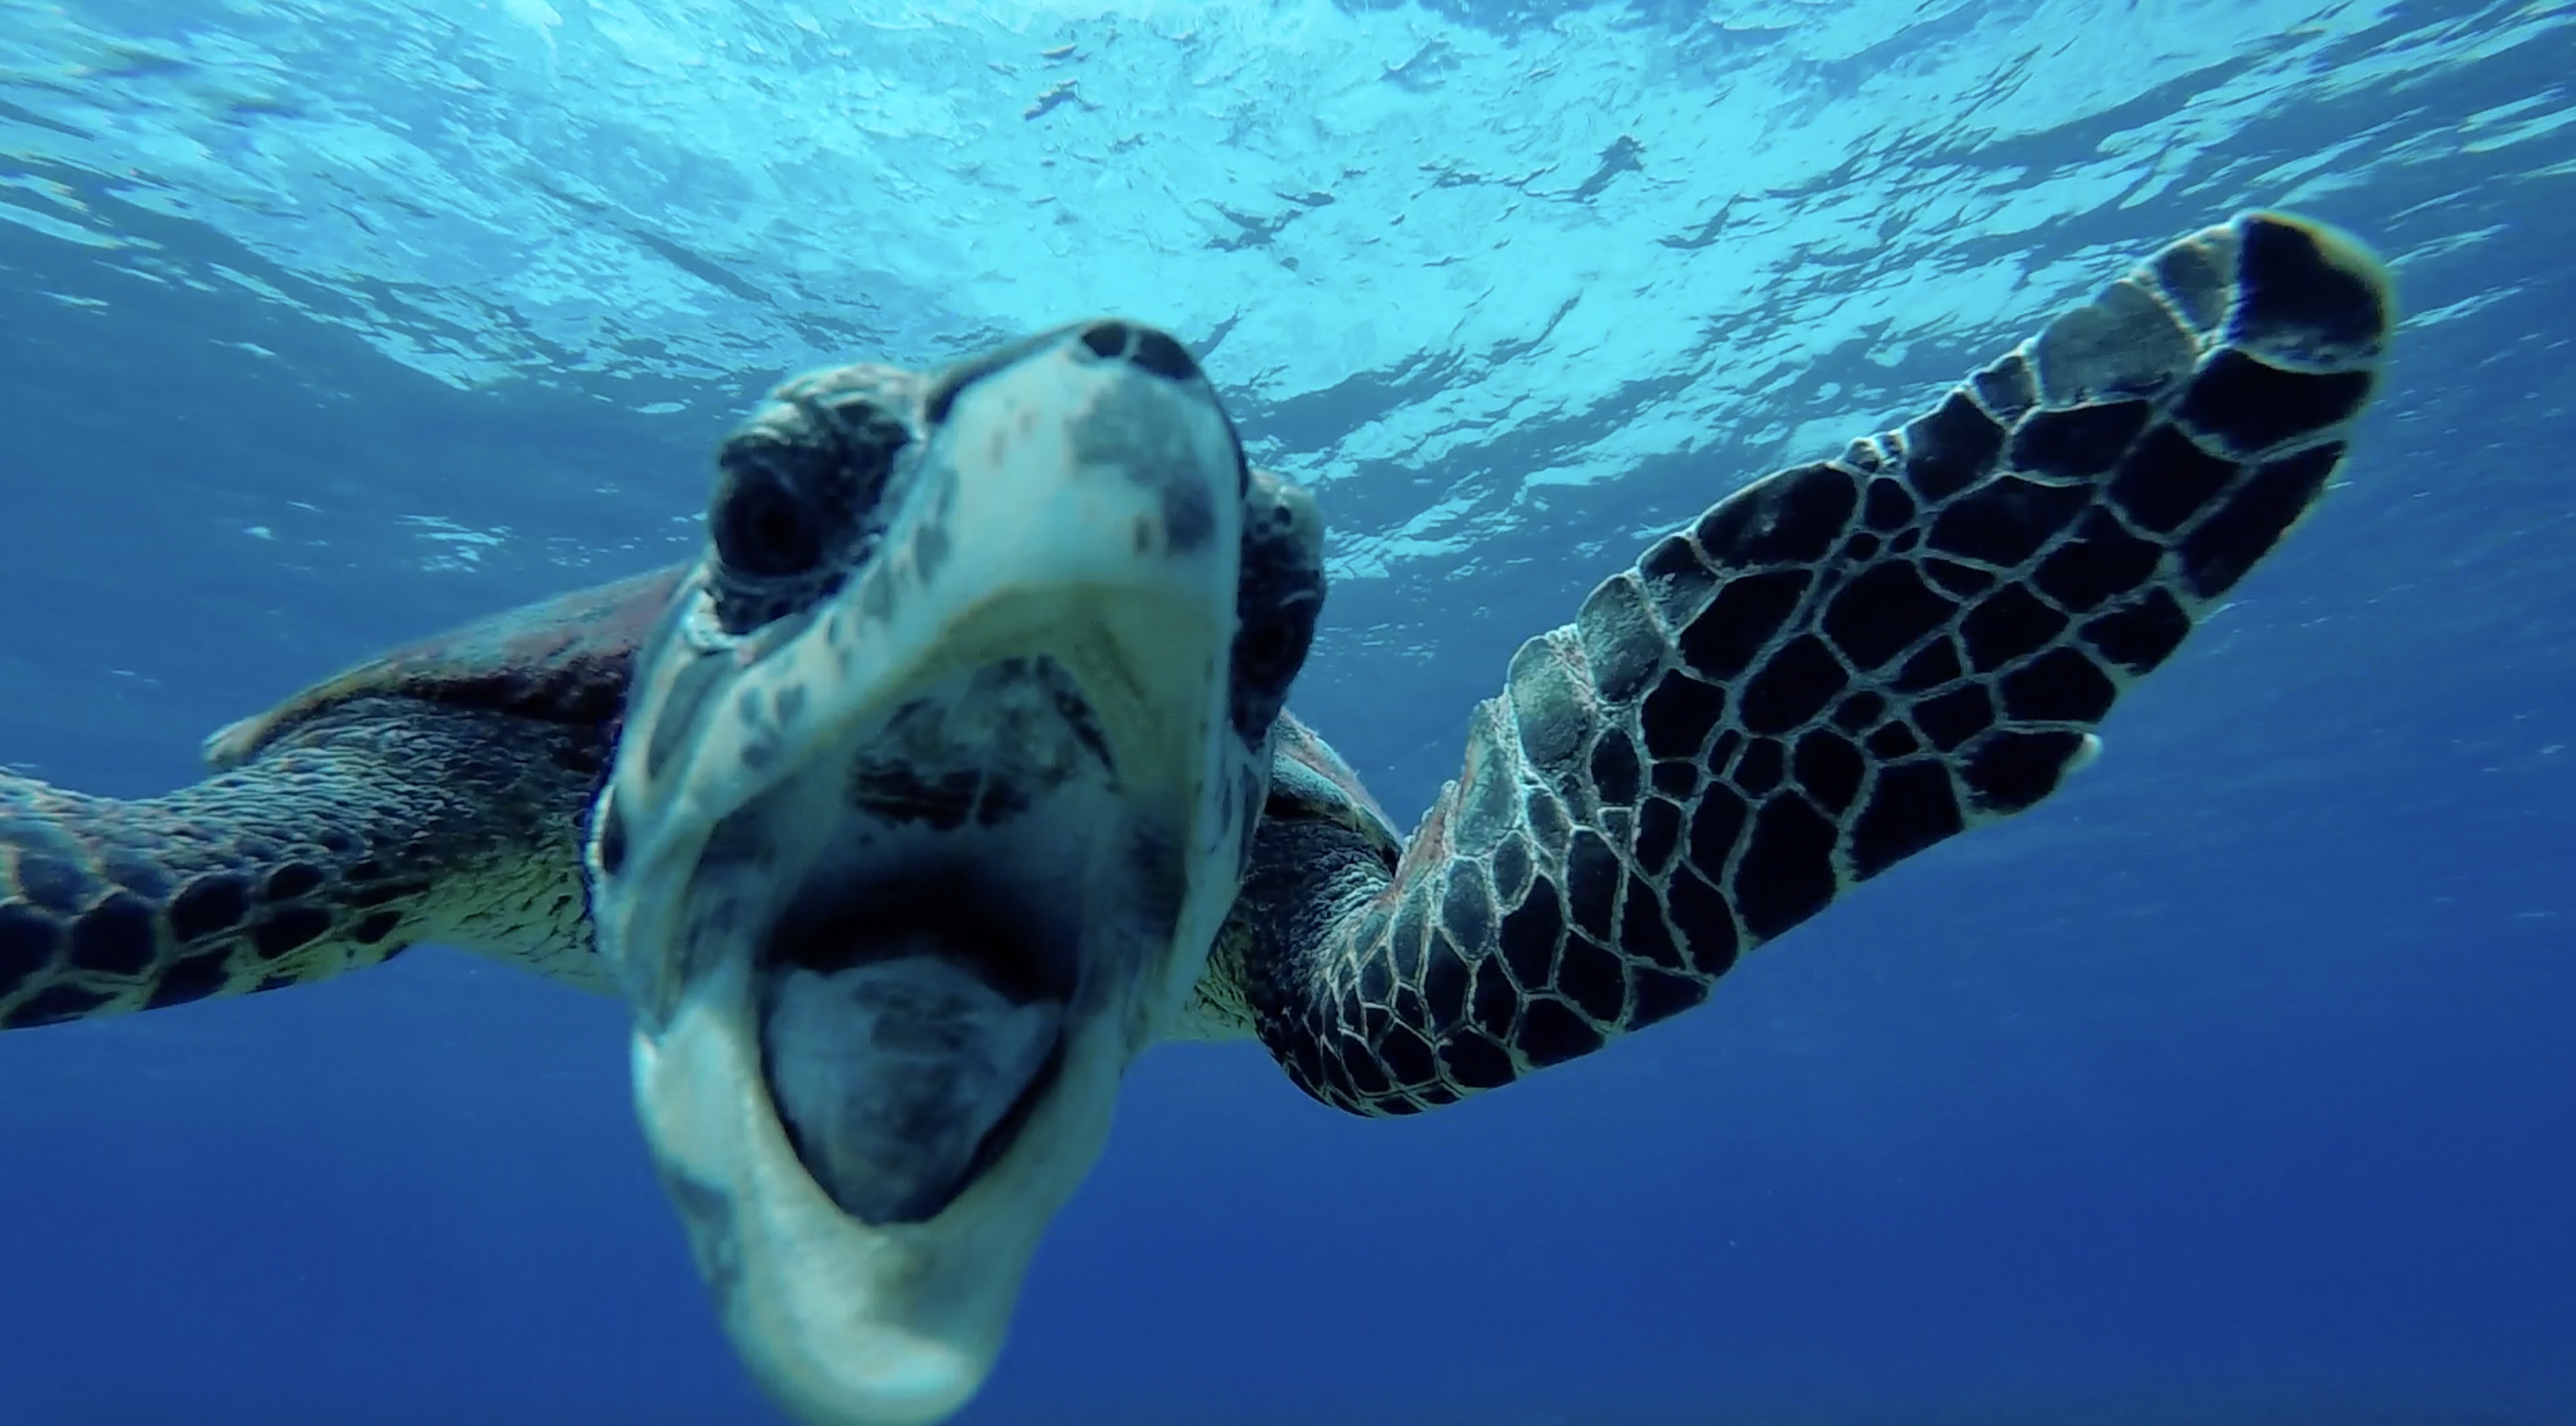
(2236, 1084)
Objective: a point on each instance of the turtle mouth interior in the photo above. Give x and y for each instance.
(909, 1027)
(972, 898)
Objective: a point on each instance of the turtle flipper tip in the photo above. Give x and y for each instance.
(2311, 295)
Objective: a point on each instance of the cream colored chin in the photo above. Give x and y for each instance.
(848, 1323)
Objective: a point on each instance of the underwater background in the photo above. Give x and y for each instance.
(2236, 1083)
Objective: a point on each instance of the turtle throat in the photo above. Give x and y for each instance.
(907, 1030)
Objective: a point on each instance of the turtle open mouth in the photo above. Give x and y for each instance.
(904, 1057)
(918, 969)
(916, 990)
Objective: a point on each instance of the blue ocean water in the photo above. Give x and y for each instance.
(2234, 1084)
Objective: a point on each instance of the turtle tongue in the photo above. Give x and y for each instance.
(896, 1080)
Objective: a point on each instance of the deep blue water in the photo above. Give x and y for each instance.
(2235, 1084)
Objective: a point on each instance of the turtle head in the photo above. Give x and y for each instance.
(936, 784)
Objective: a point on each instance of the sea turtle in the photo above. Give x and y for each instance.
(958, 771)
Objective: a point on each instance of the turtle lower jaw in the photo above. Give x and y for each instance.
(869, 1310)
(889, 1077)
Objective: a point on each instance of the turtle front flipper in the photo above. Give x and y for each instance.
(374, 823)
(1835, 668)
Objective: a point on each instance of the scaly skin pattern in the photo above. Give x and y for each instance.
(368, 829)
(435, 794)
(1838, 666)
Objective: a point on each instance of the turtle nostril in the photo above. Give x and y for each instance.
(1164, 357)
(1153, 352)
(1107, 340)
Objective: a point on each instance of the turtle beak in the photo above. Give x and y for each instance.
(878, 1041)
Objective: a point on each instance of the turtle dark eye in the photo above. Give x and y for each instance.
(763, 530)
(1271, 649)
(1282, 591)
(797, 496)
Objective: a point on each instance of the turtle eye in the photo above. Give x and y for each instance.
(796, 503)
(1273, 648)
(1281, 593)
(763, 529)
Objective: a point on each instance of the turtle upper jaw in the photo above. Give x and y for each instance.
(897, 887)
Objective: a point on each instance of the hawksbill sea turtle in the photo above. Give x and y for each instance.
(958, 771)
